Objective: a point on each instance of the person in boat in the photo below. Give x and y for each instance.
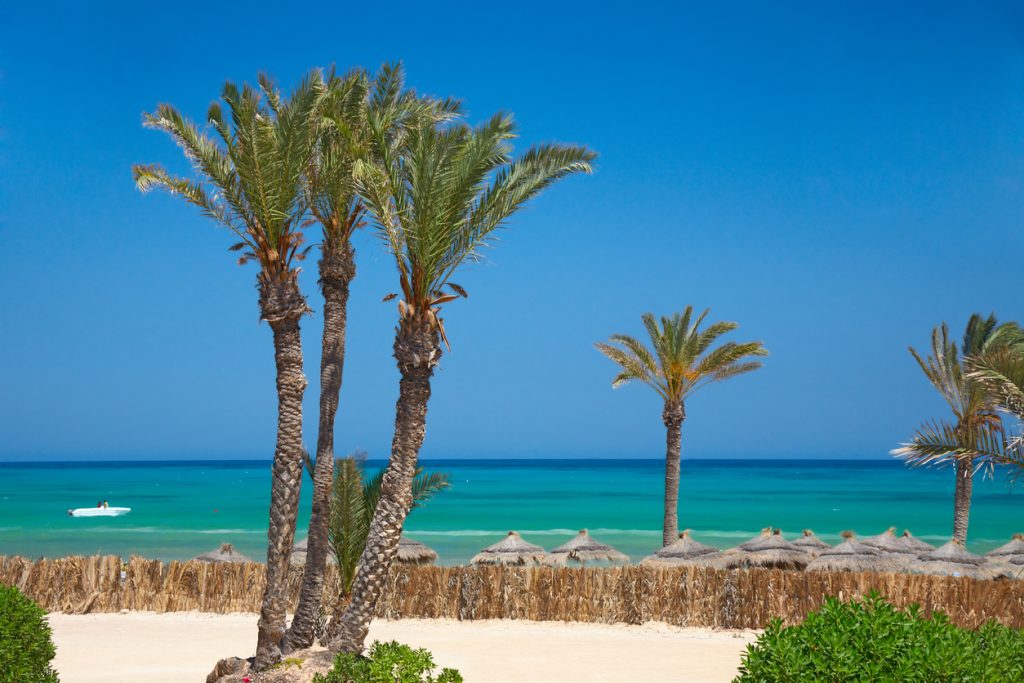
(106, 504)
(99, 504)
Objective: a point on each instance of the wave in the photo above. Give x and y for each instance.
(167, 530)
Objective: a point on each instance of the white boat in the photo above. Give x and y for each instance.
(99, 512)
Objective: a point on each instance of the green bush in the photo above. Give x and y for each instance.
(870, 640)
(387, 663)
(25, 645)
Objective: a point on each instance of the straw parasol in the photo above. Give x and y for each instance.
(810, 543)
(888, 542)
(768, 550)
(510, 550)
(414, 552)
(853, 556)
(225, 553)
(952, 559)
(1015, 548)
(683, 552)
(582, 549)
(915, 544)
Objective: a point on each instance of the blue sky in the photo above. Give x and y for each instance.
(836, 177)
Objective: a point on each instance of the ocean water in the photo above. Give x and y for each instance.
(180, 509)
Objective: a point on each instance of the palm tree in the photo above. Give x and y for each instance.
(352, 107)
(250, 180)
(437, 199)
(977, 424)
(681, 360)
(354, 500)
(1002, 374)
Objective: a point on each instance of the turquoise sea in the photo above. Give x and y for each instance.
(180, 509)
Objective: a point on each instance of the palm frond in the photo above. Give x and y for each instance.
(348, 525)
(941, 443)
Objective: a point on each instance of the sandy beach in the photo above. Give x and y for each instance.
(182, 647)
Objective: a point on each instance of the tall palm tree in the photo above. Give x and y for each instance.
(681, 361)
(249, 179)
(353, 108)
(437, 199)
(973, 406)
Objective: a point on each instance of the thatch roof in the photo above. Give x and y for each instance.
(414, 552)
(510, 550)
(765, 533)
(225, 553)
(888, 542)
(683, 551)
(810, 543)
(767, 550)
(952, 559)
(853, 556)
(1014, 547)
(915, 544)
(582, 549)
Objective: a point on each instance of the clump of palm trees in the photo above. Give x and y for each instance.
(978, 378)
(344, 151)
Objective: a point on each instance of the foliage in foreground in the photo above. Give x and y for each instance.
(870, 640)
(387, 663)
(26, 648)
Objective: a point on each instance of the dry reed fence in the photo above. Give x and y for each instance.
(684, 596)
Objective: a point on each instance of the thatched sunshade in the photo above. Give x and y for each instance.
(1015, 548)
(225, 553)
(953, 559)
(769, 550)
(682, 552)
(888, 542)
(583, 549)
(510, 550)
(810, 543)
(853, 556)
(915, 544)
(414, 552)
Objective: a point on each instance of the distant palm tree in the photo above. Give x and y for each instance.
(353, 108)
(1002, 374)
(437, 198)
(251, 182)
(681, 360)
(974, 407)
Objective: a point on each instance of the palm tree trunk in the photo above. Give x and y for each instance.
(417, 351)
(673, 417)
(337, 269)
(282, 305)
(962, 498)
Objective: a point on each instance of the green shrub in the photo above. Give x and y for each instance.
(870, 640)
(25, 645)
(387, 663)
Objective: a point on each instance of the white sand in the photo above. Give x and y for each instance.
(182, 647)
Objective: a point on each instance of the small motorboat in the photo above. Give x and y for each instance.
(99, 512)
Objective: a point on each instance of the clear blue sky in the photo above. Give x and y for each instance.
(836, 177)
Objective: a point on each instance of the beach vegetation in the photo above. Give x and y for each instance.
(26, 643)
(870, 640)
(354, 107)
(681, 360)
(353, 502)
(389, 662)
(977, 426)
(249, 166)
(437, 197)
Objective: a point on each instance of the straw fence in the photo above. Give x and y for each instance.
(684, 596)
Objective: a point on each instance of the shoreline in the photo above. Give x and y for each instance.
(183, 646)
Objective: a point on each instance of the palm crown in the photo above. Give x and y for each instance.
(681, 359)
(355, 111)
(440, 191)
(250, 177)
(971, 403)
